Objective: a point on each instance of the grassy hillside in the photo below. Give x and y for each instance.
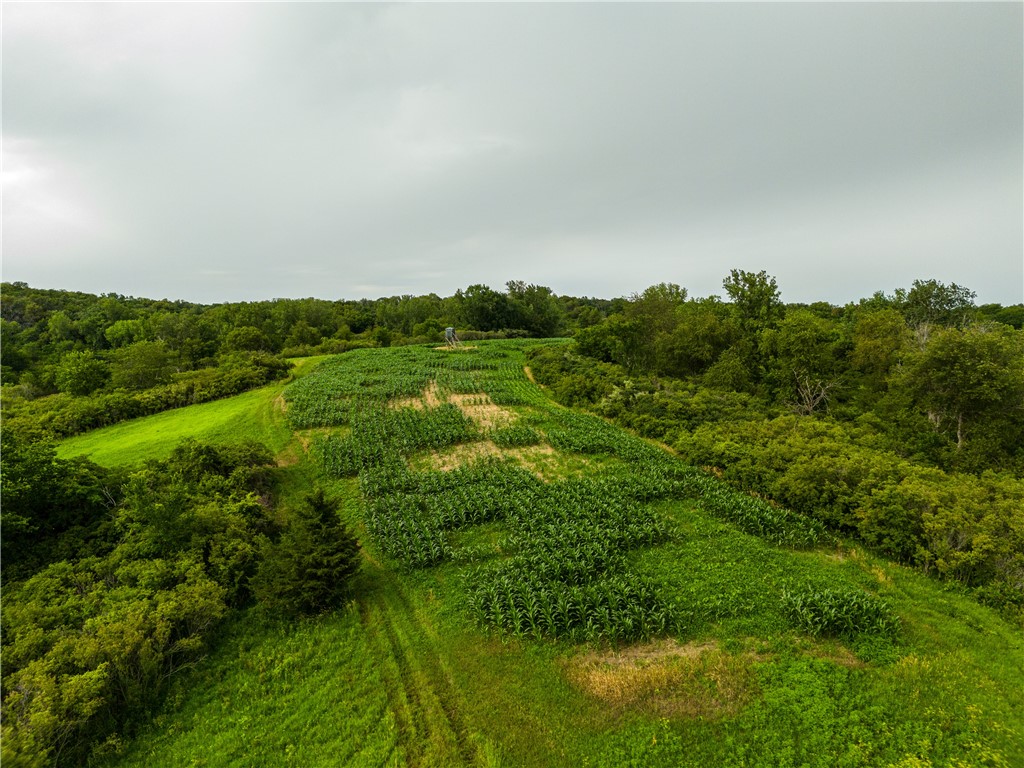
(439, 662)
(256, 415)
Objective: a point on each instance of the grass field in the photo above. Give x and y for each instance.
(255, 415)
(408, 676)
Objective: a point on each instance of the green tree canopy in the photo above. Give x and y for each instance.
(969, 379)
(142, 365)
(756, 298)
(704, 329)
(536, 308)
(247, 338)
(931, 302)
(880, 341)
(805, 353)
(81, 373)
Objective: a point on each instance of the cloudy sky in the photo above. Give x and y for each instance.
(237, 151)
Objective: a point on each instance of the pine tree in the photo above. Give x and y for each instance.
(312, 566)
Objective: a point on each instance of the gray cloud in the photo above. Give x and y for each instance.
(241, 151)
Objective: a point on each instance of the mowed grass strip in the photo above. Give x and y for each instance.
(254, 415)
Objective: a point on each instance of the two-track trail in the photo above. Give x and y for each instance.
(421, 694)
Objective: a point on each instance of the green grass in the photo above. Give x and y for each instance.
(408, 679)
(255, 415)
(309, 693)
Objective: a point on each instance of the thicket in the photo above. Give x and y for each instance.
(967, 528)
(310, 568)
(115, 580)
(899, 419)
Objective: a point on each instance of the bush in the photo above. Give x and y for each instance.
(964, 528)
(81, 373)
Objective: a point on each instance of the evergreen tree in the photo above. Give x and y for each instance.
(311, 568)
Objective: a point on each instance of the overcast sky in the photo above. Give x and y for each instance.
(240, 151)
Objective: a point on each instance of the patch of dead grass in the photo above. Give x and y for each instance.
(292, 453)
(542, 460)
(463, 454)
(432, 395)
(548, 464)
(482, 410)
(478, 407)
(832, 650)
(667, 679)
(307, 436)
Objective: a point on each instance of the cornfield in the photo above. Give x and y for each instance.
(561, 568)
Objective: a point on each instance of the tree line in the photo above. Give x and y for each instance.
(898, 419)
(78, 343)
(74, 361)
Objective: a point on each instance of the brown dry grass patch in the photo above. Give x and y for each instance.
(460, 455)
(831, 650)
(307, 436)
(547, 463)
(666, 679)
(292, 453)
(483, 411)
(542, 460)
(478, 407)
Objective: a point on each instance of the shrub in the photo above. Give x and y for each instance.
(63, 415)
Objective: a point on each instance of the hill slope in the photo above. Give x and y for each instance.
(255, 415)
(543, 589)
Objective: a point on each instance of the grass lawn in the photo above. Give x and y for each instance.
(255, 415)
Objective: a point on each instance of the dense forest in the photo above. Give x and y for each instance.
(897, 421)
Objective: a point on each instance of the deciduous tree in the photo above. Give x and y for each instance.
(967, 379)
(81, 373)
(756, 299)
